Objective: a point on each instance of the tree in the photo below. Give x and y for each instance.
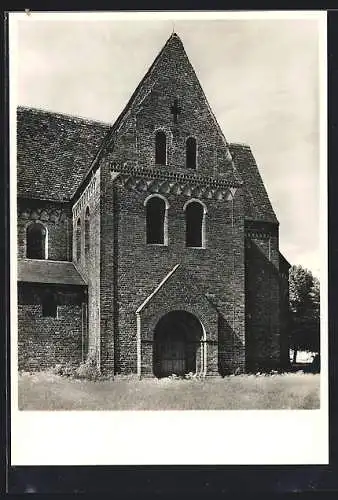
(304, 293)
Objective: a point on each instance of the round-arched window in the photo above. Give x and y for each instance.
(155, 215)
(194, 219)
(160, 148)
(191, 152)
(36, 241)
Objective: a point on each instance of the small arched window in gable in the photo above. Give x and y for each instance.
(160, 148)
(191, 150)
(78, 240)
(194, 219)
(156, 221)
(36, 241)
(87, 235)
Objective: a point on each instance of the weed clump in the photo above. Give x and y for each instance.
(87, 370)
(63, 369)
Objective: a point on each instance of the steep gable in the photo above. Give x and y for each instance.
(54, 153)
(170, 79)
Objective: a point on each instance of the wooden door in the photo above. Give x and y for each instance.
(173, 357)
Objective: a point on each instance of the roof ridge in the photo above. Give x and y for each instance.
(241, 144)
(37, 111)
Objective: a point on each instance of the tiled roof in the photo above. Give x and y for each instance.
(54, 152)
(283, 262)
(48, 271)
(257, 203)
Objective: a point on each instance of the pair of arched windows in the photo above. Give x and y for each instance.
(157, 222)
(161, 150)
(86, 236)
(36, 241)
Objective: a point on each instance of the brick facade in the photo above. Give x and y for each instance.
(262, 296)
(232, 283)
(47, 341)
(86, 209)
(55, 217)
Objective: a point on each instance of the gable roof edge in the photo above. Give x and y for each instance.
(157, 289)
(119, 121)
(252, 170)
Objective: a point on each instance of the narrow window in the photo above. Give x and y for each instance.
(78, 240)
(87, 239)
(49, 305)
(191, 152)
(36, 242)
(160, 148)
(194, 214)
(156, 209)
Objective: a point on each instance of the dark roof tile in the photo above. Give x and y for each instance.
(283, 262)
(54, 152)
(256, 199)
(48, 271)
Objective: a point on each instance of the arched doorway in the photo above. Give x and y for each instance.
(179, 345)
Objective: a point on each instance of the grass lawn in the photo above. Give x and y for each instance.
(45, 391)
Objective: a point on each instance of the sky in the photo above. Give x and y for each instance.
(261, 78)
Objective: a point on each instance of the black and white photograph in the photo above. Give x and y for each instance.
(167, 183)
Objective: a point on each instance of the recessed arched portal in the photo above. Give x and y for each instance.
(179, 345)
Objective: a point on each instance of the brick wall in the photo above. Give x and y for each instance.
(87, 210)
(131, 269)
(238, 273)
(182, 291)
(110, 326)
(46, 341)
(284, 312)
(56, 217)
(262, 296)
(137, 268)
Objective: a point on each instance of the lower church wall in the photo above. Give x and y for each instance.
(44, 342)
(131, 269)
(284, 315)
(262, 304)
(88, 210)
(231, 350)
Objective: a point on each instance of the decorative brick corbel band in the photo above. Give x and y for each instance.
(156, 180)
(43, 214)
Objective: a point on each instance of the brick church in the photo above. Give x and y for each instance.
(148, 246)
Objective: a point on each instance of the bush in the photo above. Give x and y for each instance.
(87, 370)
(194, 376)
(65, 369)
